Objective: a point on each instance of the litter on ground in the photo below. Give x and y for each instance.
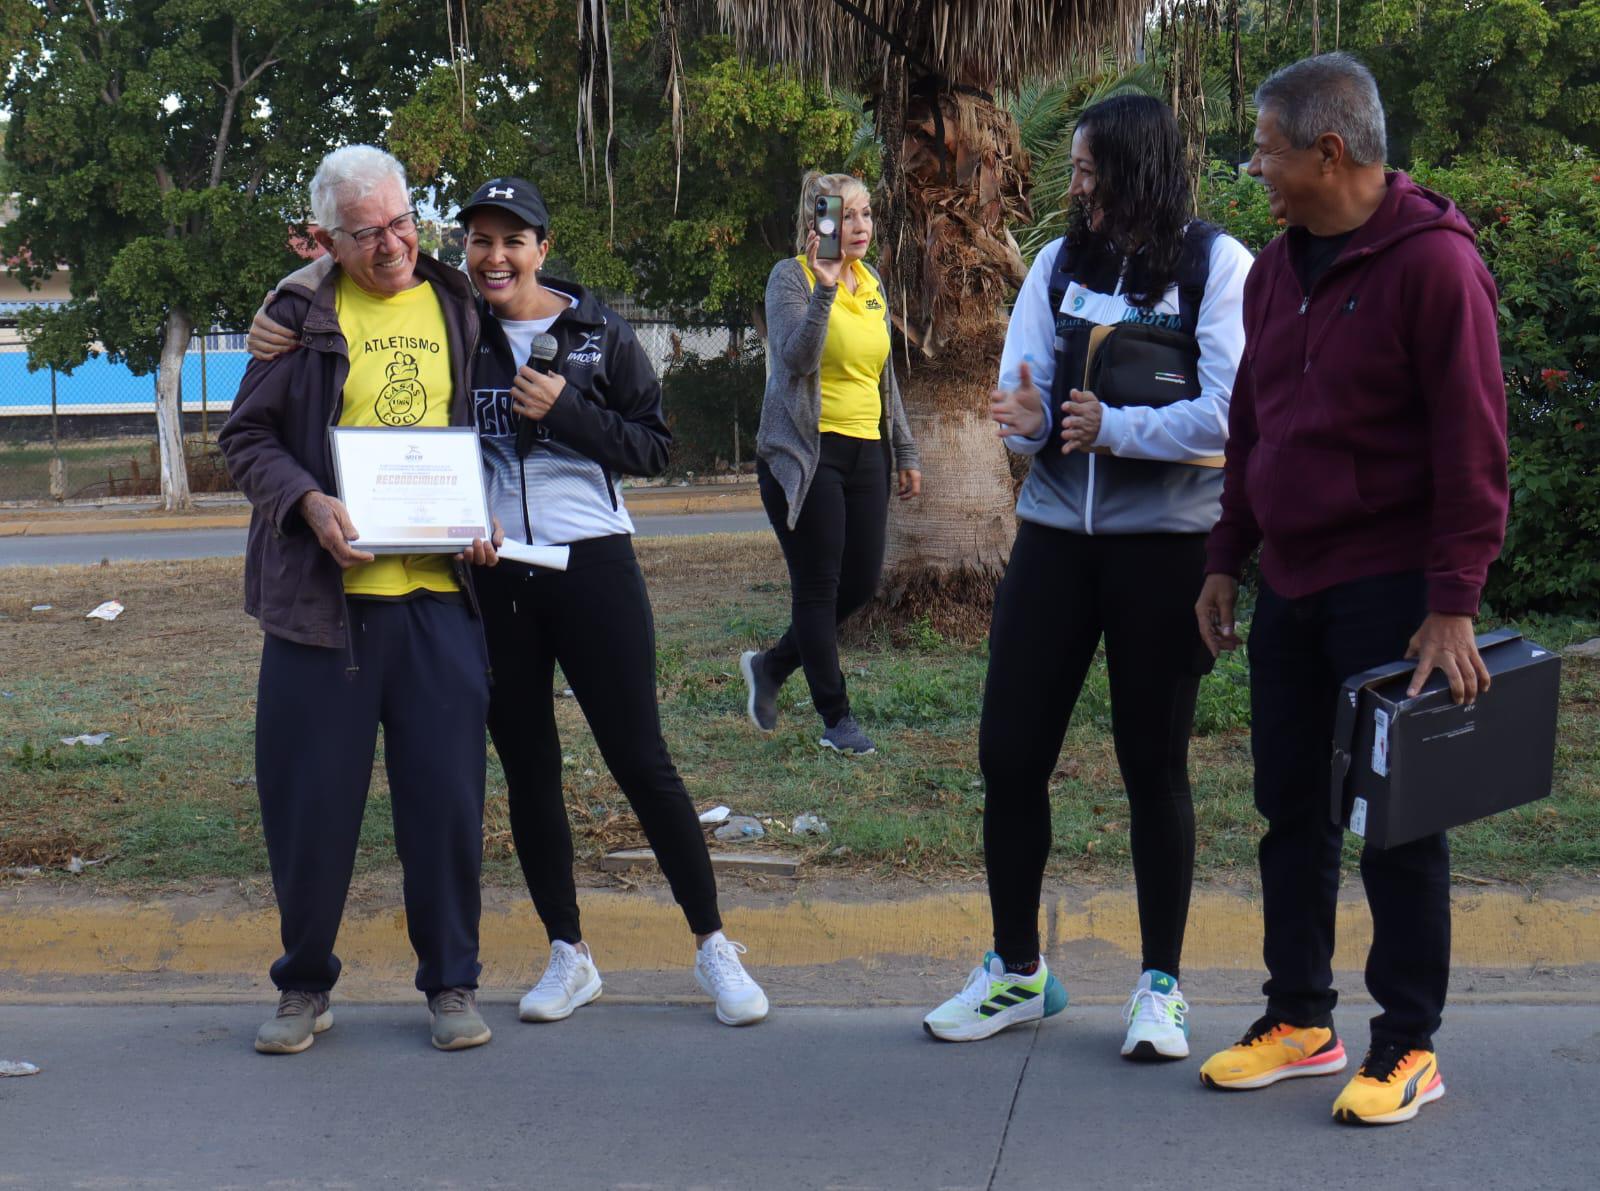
(740, 827)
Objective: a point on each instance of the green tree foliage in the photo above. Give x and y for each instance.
(1513, 77)
(1539, 232)
(1232, 199)
(159, 149)
(700, 239)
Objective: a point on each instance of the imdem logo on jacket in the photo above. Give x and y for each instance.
(588, 351)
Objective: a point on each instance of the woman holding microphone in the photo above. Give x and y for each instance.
(832, 443)
(556, 439)
(1110, 545)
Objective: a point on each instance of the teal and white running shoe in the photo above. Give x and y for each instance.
(994, 999)
(1158, 1020)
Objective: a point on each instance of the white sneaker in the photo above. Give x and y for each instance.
(570, 980)
(1158, 1020)
(740, 1001)
(993, 999)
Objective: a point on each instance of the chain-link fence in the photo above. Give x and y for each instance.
(91, 434)
(711, 379)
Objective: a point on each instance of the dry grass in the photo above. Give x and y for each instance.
(170, 799)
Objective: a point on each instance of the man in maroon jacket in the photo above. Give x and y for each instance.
(1367, 458)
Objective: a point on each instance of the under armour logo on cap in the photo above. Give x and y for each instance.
(518, 196)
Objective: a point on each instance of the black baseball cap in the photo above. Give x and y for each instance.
(516, 195)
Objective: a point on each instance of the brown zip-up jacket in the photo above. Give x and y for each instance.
(276, 445)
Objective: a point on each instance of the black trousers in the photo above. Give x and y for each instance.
(595, 619)
(421, 673)
(1301, 651)
(1061, 593)
(835, 555)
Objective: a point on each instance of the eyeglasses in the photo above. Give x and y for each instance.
(369, 237)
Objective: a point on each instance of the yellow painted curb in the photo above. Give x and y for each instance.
(637, 932)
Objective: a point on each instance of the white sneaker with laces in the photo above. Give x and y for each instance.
(993, 999)
(570, 981)
(1158, 1020)
(740, 1001)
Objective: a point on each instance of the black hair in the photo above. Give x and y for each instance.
(1142, 190)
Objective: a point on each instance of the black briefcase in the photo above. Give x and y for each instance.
(1404, 768)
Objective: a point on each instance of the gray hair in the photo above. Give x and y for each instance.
(350, 173)
(1329, 93)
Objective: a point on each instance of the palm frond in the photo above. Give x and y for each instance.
(862, 156)
(981, 43)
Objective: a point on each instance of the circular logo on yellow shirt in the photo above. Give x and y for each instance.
(402, 401)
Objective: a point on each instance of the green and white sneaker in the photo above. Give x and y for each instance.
(1158, 1020)
(994, 999)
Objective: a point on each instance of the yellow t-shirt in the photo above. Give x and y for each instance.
(399, 377)
(853, 357)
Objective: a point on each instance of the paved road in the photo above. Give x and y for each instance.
(663, 1097)
(69, 549)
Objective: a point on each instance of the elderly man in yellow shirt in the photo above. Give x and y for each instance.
(353, 641)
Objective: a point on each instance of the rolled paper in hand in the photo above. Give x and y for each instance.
(553, 558)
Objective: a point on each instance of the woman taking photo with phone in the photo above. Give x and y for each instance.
(833, 441)
(1110, 545)
(557, 434)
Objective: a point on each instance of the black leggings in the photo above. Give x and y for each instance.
(835, 555)
(594, 618)
(1060, 593)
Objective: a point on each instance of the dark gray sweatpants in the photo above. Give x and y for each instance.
(422, 674)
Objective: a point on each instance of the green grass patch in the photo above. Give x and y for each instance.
(171, 798)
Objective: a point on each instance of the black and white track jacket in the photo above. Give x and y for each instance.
(607, 423)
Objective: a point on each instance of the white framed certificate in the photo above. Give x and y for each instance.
(411, 491)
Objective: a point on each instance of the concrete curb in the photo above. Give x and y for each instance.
(643, 502)
(85, 945)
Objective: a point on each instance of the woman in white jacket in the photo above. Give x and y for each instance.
(1110, 545)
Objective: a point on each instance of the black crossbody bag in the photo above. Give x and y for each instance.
(1137, 364)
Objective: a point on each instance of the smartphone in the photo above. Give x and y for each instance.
(829, 224)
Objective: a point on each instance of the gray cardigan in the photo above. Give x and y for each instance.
(789, 440)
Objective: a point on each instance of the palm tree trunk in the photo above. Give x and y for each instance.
(948, 548)
(950, 264)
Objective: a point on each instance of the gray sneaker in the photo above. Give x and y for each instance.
(847, 737)
(456, 1022)
(762, 705)
(300, 1017)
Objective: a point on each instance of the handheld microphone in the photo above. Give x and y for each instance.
(542, 352)
(541, 358)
